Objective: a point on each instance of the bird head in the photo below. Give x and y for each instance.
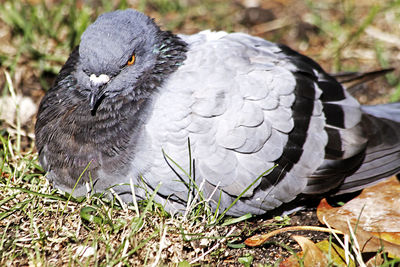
(116, 54)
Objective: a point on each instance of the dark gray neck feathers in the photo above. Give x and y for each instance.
(73, 136)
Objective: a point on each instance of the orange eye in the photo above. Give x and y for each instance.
(132, 60)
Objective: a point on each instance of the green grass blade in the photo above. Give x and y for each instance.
(241, 194)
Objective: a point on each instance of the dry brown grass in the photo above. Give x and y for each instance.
(40, 227)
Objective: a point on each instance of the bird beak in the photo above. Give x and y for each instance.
(93, 98)
(97, 89)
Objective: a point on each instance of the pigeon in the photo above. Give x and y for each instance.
(231, 116)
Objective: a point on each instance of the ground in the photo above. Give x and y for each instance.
(40, 227)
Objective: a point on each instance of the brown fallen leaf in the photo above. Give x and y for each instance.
(335, 253)
(258, 240)
(374, 217)
(377, 260)
(311, 255)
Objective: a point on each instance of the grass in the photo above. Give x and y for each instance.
(40, 226)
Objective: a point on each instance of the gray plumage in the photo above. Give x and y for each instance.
(244, 103)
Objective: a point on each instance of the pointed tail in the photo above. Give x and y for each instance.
(382, 156)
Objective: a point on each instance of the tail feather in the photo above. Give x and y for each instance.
(353, 80)
(389, 111)
(382, 155)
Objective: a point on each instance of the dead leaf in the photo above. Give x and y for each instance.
(374, 216)
(8, 109)
(291, 261)
(377, 260)
(335, 253)
(258, 240)
(310, 254)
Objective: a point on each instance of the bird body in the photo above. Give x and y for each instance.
(130, 103)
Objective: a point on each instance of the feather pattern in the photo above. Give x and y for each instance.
(243, 104)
